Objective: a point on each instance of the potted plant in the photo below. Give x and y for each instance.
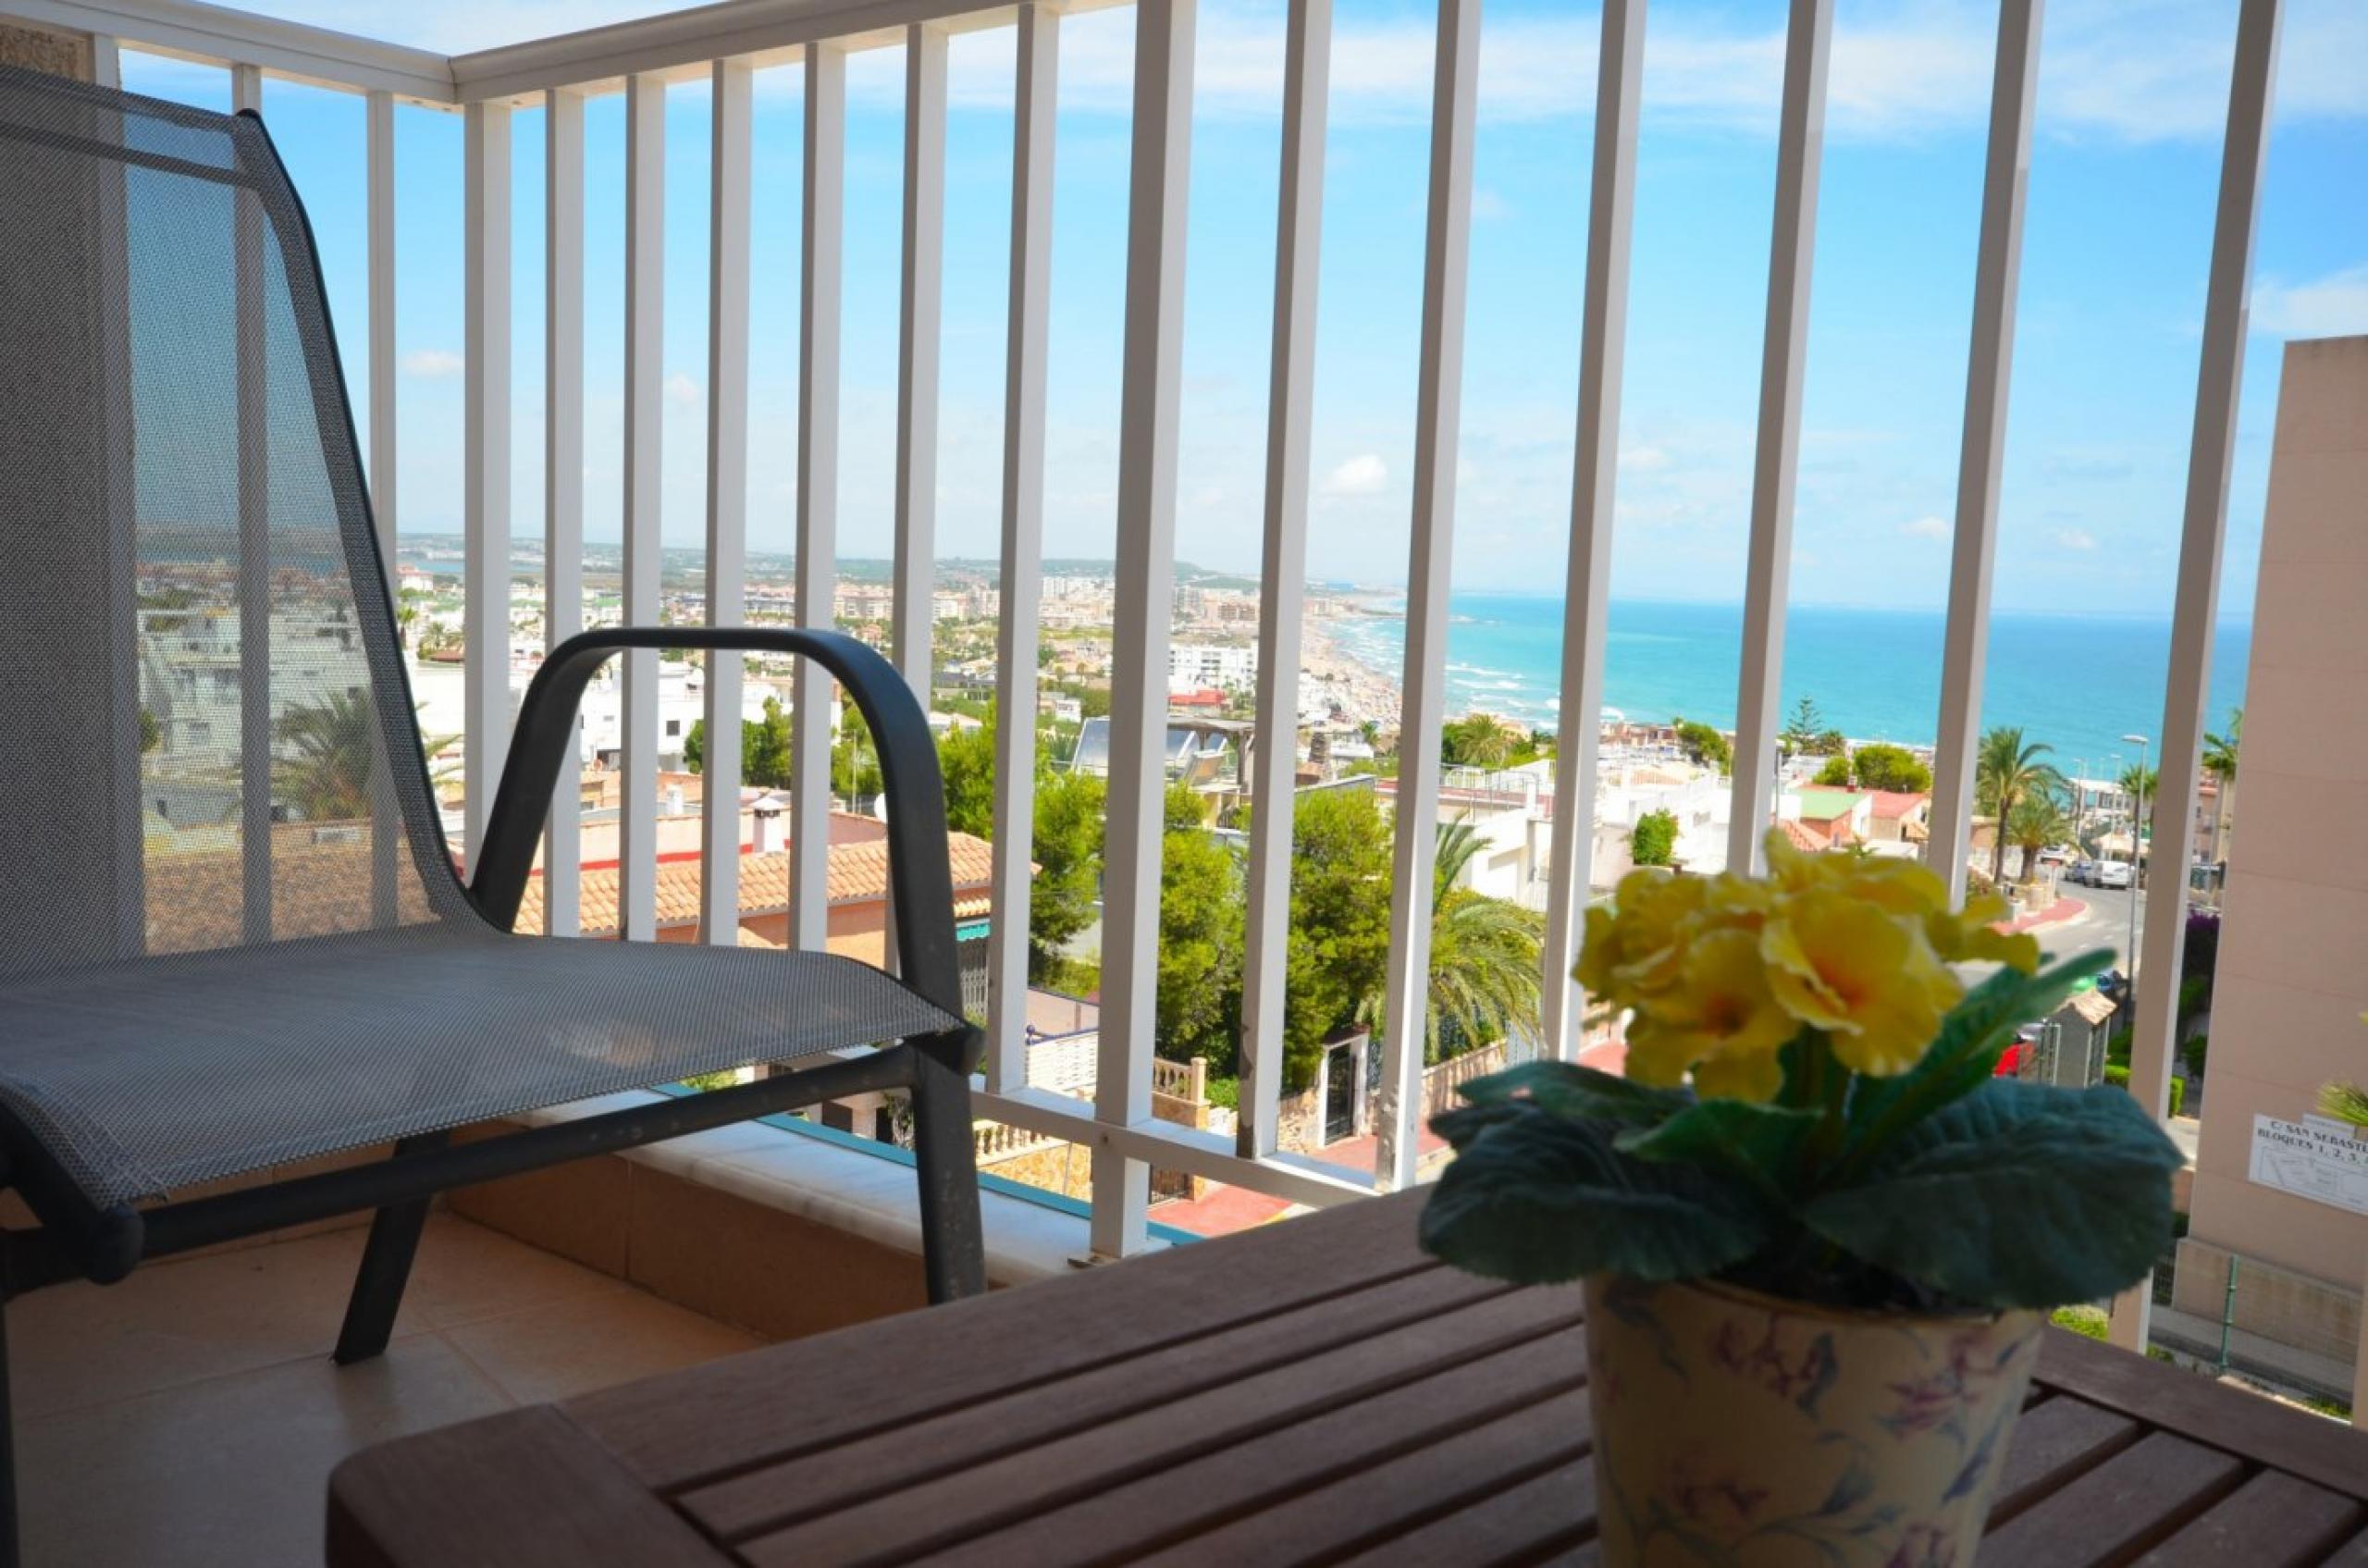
(1818, 1238)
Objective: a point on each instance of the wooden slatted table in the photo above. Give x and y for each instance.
(1317, 1390)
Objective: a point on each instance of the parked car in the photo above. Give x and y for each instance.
(2111, 873)
(2083, 869)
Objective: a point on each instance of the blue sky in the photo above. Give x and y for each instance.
(2123, 180)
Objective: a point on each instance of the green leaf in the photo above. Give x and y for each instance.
(1966, 1052)
(1534, 1197)
(1568, 1089)
(2014, 1195)
(1760, 1144)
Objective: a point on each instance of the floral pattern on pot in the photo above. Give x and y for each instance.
(1734, 1430)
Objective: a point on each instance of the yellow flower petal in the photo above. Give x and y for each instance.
(1869, 980)
(1757, 1077)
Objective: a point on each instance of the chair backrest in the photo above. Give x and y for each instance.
(209, 738)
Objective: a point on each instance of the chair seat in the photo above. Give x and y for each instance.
(144, 1076)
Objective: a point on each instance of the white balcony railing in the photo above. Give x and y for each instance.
(727, 42)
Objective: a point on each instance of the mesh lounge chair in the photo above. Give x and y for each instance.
(235, 940)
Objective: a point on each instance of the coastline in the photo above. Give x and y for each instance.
(2075, 682)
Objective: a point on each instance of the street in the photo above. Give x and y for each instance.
(2104, 923)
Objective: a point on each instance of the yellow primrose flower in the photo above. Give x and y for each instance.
(1903, 887)
(1636, 946)
(1796, 871)
(1967, 935)
(1720, 1018)
(1867, 978)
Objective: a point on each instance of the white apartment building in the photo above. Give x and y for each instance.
(1195, 666)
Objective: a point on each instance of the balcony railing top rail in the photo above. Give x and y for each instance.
(726, 42)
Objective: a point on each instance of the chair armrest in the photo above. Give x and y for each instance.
(919, 877)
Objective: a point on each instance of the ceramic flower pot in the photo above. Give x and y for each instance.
(1737, 1430)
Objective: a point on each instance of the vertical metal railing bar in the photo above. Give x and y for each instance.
(920, 311)
(255, 547)
(485, 546)
(1158, 187)
(2202, 534)
(379, 182)
(644, 542)
(1793, 243)
(1439, 402)
(1021, 567)
(822, 260)
(117, 476)
(1603, 337)
(564, 474)
(1299, 228)
(1981, 460)
(727, 494)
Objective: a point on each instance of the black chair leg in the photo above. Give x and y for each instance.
(10, 1550)
(386, 1268)
(954, 1252)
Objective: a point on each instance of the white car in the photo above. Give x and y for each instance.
(2111, 874)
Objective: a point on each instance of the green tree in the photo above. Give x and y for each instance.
(1653, 842)
(1801, 731)
(1890, 767)
(2220, 762)
(1480, 740)
(1836, 774)
(2037, 821)
(1068, 851)
(1828, 743)
(1484, 978)
(1338, 945)
(2006, 769)
(324, 769)
(966, 759)
(1200, 937)
(764, 748)
(152, 734)
(1706, 746)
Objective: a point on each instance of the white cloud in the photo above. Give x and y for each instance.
(682, 392)
(1643, 459)
(2326, 307)
(1364, 475)
(2075, 539)
(1486, 205)
(1927, 528)
(433, 365)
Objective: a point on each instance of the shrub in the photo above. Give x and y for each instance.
(2118, 1075)
(2193, 1055)
(2086, 1321)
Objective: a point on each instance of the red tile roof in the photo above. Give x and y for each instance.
(858, 874)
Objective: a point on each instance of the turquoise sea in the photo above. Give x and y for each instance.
(2079, 683)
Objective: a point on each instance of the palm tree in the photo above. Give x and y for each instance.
(2007, 768)
(1485, 980)
(2037, 821)
(328, 749)
(2220, 762)
(326, 772)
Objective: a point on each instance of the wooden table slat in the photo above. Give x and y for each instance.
(2353, 1553)
(1370, 1508)
(2054, 1442)
(778, 1494)
(971, 1499)
(526, 1485)
(2137, 1494)
(1317, 1391)
(2273, 1521)
(2263, 1431)
(1512, 1526)
(686, 1427)
(1275, 1470)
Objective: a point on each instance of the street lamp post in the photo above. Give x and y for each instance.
(2136, 860)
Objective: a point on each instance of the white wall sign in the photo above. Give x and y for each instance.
(2315, 1159)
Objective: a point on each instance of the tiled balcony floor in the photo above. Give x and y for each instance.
(191, 1415)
